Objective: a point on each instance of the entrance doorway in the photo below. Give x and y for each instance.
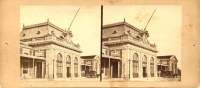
(114, 69)
(68, 72)
(111, 68)
(38, 69)
(144, 72)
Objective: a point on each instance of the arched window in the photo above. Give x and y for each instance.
(144, 66)
(76, 67)
(135, 65)
(59, 65)
(144, 60)
(68, 66)
(152, 66)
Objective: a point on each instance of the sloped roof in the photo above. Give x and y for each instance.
(88, 57)
(120, 24)
(44, 24)
(167, 57)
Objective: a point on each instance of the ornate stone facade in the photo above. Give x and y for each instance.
(127, 53)
(47, 51)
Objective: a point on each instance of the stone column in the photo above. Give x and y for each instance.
(79, 66)
(131, 67)
(50, 55)
(140, 66)
(155, 67)
(47, 70)
(54, 69)
(72, 67)
(129, 63)
(43, 69)
(118, 69)
(34, 68)
(109, 75)
(148, 67)
(123, 63)
(111, 71)
(64, 67)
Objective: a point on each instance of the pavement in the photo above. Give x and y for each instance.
(94, 82)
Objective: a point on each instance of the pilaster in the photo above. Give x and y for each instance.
(131, 67)
(43, 69)
(155, 67)
(50, 69)
(54, 69)
(79, 67)
(72, 66)
(119, 67)
(125, 63)
(64, 67)
(140, 65)
(47, 70)
(148, 67)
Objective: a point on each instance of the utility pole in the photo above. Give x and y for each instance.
(101, 43)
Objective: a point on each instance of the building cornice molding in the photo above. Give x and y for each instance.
(53, 42)
(129, 42)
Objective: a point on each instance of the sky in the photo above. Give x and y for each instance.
(85, 28)
(164, 28)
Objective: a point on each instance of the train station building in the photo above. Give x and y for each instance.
(48, 52)
(127, 52)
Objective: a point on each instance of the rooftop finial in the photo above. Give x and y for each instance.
(124, 20)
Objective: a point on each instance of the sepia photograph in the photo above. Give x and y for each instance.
(137, 43)
(58, 43)
(142, 42)
(113, 43)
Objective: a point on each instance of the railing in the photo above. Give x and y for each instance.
(55, 40)
(140, 42)
(131, 40)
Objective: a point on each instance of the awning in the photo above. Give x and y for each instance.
(111, 57)
(32, 57)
